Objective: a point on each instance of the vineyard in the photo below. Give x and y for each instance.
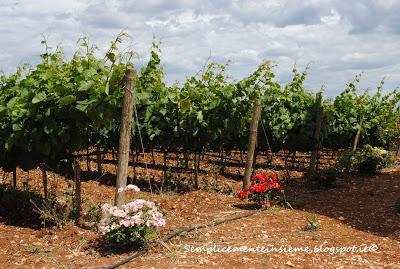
(188, 150)
(50, 111)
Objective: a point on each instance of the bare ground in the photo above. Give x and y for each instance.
(359, 212)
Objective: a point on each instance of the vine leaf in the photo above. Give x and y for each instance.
(39, 97)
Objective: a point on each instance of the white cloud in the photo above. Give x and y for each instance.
(338, 39)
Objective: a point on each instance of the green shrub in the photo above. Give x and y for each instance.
(344, 163)
(366, 160)
(93, 214)
(370, 160)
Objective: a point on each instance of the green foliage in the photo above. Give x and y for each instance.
(344, 163)
(34, 249)
(138, 235)
(62, 105)
(313, 224)
(378, 115)
(47, 113)
(93, 214)
(370, 160)
(288, 114)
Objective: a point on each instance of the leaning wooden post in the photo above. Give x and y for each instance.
(196, 170)
(14, 178)
(252, 142)
(316, 141)
(88, 159)
(398, 150)
(44, 180)
(98, 159)
(77, 195)
(125, 135)
(357, 137)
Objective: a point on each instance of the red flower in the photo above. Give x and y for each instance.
(262, 186)
(243, 194)
(259, 187)
(260, 178)
(253, 188)
(323, 177)
(276, 185)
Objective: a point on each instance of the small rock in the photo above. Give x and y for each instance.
(290, 264)
(203, 261)
(341, 218)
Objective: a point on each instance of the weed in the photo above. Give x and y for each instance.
(313, 224)
(34, 249)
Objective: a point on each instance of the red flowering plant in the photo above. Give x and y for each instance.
(264, 189)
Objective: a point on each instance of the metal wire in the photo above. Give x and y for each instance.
(141, 141)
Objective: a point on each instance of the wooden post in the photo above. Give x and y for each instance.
(398, 151)
(252, 142)
(14, 179)
(152, 157)
(186, 158)
(357, 137)
(98, 157)
(316, 141)
(177, 161)
(44, 181)
(125, 135)
(196, 170)
(88, 160)
(165, 165)
(77, 196)
(223, 162)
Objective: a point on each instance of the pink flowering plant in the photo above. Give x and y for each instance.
(132, 223)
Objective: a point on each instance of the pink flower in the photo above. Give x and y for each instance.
(129, 187)
(132, 187)
(132, 215)
(125, 222)
(106, 208)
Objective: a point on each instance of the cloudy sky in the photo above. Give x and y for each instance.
(338, 38)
